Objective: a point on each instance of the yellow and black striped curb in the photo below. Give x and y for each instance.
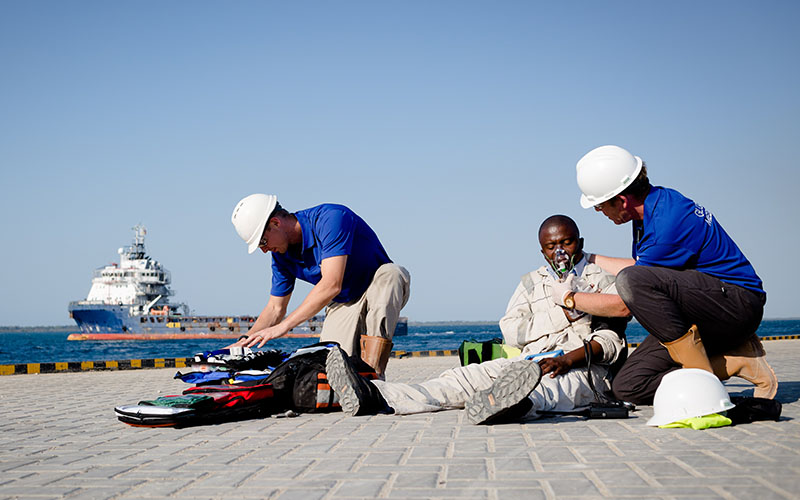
(82, 366)
(423, 354)
(137, 364)
(781, 337)
(773, 337)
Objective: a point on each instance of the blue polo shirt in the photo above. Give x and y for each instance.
(678, 233)
(328, 231)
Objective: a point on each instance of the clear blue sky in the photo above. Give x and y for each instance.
(452, 127)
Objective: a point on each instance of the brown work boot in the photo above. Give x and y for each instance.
(375, 352)
(748, 361)
(688, 351)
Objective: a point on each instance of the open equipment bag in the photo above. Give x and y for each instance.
(299, 384)
(200, 405)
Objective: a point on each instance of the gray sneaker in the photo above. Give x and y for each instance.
(507, 399)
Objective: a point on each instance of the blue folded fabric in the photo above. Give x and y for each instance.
(202, 377)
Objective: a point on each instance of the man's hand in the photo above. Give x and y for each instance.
(560, 289)
(555, 366)
(262, 336)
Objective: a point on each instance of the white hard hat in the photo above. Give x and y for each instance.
(605, 172)
(250, 217)
(688, 393)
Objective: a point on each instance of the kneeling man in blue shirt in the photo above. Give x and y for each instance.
(332, 248)
(688, 283)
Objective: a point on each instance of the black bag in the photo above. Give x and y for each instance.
(301, 384)
(751, 409)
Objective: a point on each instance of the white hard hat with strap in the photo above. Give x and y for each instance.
(250, 217)
(605, 172)
(688, 393)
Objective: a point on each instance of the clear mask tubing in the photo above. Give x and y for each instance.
(562, 262)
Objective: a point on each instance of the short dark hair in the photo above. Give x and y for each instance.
(639, 187)
(560, 220)
(279, 211)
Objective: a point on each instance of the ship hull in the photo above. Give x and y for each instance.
(172, 336)
(110, 322)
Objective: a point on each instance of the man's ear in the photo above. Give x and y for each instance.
(630, 202)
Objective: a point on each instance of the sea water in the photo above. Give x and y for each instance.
(44, 347)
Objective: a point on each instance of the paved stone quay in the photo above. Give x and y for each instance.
(59, 438)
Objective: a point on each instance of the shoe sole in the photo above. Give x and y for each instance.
(512, 386)
(342, 380)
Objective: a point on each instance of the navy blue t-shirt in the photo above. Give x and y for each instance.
(678, 233)
(329, 231)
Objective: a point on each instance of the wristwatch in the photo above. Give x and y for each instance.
(569, 300)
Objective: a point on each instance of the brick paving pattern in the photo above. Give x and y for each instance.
(59, 438)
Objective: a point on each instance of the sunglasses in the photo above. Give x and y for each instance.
(264, 237)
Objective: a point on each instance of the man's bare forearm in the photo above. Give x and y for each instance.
(319, 297)
(611, 265)
(601, 304)
(271, 315)
(328, 287)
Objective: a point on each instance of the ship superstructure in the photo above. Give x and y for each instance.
(129, 300)
(138, 282)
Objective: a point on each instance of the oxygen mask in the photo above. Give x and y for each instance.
(562, 262)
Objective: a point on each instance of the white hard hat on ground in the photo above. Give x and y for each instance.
(688, 393)
(250, 217)
(605, 172)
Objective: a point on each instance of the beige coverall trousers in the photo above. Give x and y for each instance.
(375, 313)
(453, 387)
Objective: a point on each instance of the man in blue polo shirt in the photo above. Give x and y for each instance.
(688, 284)
(331, 247)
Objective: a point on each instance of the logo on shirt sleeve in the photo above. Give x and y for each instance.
(703, 214)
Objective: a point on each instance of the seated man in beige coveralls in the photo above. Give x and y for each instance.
(508, 389)
(331, 247)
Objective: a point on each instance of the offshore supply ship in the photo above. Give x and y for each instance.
(129, 300)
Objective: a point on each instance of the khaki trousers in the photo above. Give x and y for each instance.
(375, 313)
